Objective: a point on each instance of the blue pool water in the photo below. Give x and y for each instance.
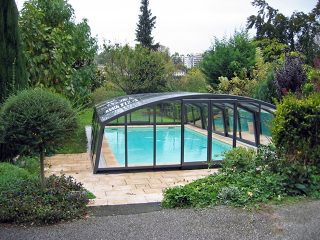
(168, 142)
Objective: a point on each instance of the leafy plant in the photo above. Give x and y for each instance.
(239, 160)
(13, 75)
(228, 194)
(77, 142)
(298, 31)
(229, 57)
(37, 120)
(290, 77)
(10, 174)
(104, 93)
(296, 129)
(24, 201)
(137, 70)
(29, 163)
(59, 52)
(193, 81)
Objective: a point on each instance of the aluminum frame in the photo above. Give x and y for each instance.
(106, 112)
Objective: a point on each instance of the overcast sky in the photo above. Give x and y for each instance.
(185, 26)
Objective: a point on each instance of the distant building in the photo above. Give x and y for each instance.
(191, 60)
(179, 73)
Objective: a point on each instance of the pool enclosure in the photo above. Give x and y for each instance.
(174, 130)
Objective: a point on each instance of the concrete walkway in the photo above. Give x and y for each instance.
(120, 188)
(293, 222)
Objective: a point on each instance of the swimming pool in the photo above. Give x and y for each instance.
(168, 146)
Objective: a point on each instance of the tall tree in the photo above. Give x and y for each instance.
(137, 70)
(145, 25)
(229, 57)
(300, 31)
(12, 67)
(60, 53)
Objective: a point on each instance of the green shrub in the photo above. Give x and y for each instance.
(26, 202)
(102, 94)
(269, 157)
(239, 160)
(29, 163)
(297, 129)
(37, 121)
(236, 189)
(10, 174)
(77, 143)
(229, 194)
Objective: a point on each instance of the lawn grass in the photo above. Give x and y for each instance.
(77, 143)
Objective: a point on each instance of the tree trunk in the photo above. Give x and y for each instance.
(42, 178)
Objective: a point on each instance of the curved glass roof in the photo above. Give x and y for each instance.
(116, 107)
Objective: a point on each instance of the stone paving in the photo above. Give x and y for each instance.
(120, 188)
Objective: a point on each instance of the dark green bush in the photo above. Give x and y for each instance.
(7, 152)
(26, 202)
(37, 121)
(301, 179)
(297, 129)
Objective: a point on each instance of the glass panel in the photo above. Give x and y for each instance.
(141, 116)
(219, 148)
(168, 113)
(246, 125)
(113, 147)
(266, 119)
(196, 140)
(217, 123)
(140, 146)
(229, 116)
(118, 121)
(168, 145)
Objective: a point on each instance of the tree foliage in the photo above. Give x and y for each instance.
(296, 129)
(272, 50)
(137, 70)
(299, 31)
(229, 58)
(37, 120)
(236, 86)
(12, 66)
(193, 81)
(290, 77)
(145, 25)
(60, 53)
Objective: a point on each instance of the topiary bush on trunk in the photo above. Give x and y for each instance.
(37, 121)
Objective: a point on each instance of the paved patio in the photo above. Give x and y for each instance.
(120, 188)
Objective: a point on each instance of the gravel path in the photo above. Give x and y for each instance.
(298, 221)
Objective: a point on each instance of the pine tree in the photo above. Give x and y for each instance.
(12, 67)
(145, 25)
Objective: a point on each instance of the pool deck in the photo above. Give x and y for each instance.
(120, 188)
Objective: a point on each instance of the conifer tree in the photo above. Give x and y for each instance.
(145, 25)
(12, 68)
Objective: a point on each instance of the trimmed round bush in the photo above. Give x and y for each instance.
(37, 120)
